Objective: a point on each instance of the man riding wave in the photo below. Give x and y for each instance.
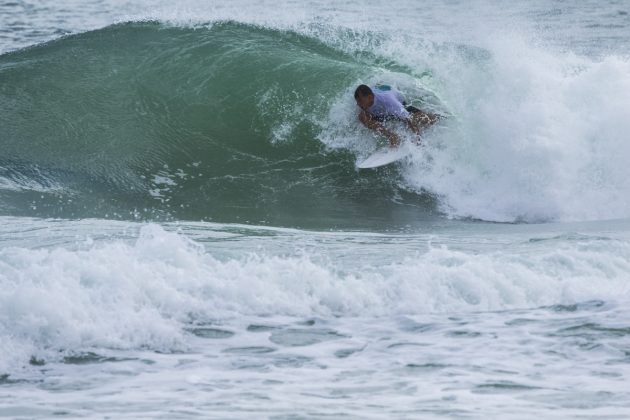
(379, 105)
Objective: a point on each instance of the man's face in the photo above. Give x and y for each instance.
(365, 102)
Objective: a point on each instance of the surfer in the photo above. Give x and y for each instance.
(378, 106)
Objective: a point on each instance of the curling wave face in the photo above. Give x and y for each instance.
(238, 122)
(144, 120)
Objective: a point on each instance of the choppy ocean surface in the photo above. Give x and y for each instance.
(184, 233)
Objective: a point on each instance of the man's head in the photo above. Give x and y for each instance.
(364, 97)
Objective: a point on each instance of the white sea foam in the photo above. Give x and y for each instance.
(536, 136)
(133, 295)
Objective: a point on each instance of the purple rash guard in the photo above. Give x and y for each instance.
(388, 104)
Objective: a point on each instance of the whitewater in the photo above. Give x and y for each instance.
(184, 232)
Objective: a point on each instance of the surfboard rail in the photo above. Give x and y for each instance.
(383, 156)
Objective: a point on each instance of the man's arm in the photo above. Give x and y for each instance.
(372, 124)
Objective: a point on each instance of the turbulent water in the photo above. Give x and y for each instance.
(184, 232)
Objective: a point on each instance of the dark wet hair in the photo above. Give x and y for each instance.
(362, 90)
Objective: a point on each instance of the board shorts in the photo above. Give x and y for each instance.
(426, 119)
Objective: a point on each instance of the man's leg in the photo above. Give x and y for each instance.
(421, 119)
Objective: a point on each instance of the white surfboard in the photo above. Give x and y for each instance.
(383, 156)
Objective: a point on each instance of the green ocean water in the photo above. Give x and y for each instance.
(143, 120)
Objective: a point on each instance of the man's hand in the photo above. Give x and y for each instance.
(372, 124)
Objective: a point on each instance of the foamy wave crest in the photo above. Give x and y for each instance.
(142, 295)
(533, 134)
(537, 136)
